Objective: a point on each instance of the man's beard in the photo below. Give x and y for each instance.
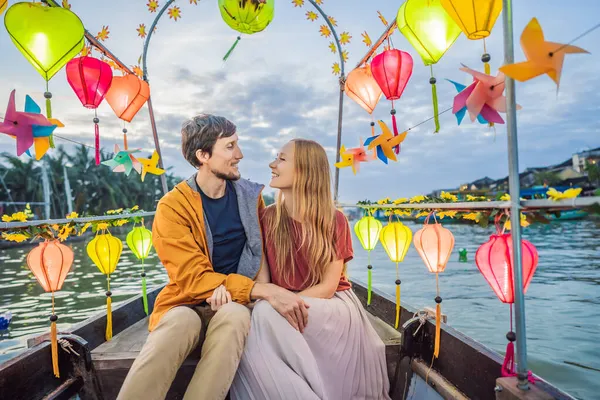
(227, 177)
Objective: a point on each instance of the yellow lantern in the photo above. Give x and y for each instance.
(395, 238)
(476, 20)
(434, 243)
(431, 31)
(105, 251)
(367, 229)
(139, 241)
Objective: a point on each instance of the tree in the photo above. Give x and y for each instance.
(96, 189)
(547, 178)
(593, 172)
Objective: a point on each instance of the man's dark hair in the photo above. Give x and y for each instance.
(201, 133)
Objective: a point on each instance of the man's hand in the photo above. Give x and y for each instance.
(288, 304)
(219, 298)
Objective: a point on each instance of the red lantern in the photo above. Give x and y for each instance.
(50, 263)
(90, 79)
(494, 260)
(392, 70)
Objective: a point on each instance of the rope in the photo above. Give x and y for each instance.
(577, 38)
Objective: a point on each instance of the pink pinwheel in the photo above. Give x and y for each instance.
(353, 157)
(20, 124)
(483, 97)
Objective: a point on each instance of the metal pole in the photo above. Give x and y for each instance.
(68, 190)
(163, 178)
(341, 103)
(46, 188)
(515, 206)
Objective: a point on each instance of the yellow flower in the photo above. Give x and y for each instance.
(448, 196)
(472, 216)
(102, 226)
(383, 201)
(417, 199)
(121, 222)
(298, 3)
(135, 208)
(64, 233)
(72, 215)
(335, 69)
(6, 218)
(443, 214)
(524, 222)
(55, 227)
(345, 38)
(402, 213)
(84, 228)
(332, 47)
(325, 31)
(422, 214)
(14, 237)
(311, 15)
(567, 194)
(505, 197)
(400, 200)
(475, 198)
(366, 39)
(19, 216)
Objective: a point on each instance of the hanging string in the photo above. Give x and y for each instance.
(485, 58)
(577, 38)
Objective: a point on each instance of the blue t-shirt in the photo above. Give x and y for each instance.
(229, 237)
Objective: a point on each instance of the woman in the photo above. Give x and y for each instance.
(337, 354)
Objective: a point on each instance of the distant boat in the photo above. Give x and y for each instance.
(539, 192)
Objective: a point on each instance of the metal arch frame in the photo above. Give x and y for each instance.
(342, 84)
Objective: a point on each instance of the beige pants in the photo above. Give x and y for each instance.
(175, 336)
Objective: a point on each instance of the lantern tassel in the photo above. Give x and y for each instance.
(232, 48)
(97, 142)
(144, 294)
(436, 117)
(486, 68)
(125, 141)
(108, 318)
(438, 322)
(54, 348)
(369, 284)
(508, 366)
(48, 96)
(395, 127)
(397, 306)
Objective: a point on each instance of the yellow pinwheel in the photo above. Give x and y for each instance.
(385, 142)
(149, 165)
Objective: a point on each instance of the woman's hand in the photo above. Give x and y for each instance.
(219, 298)
(291, 306)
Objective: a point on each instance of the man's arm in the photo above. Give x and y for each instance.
(187, 265)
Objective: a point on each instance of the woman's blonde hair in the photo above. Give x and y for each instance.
(313, 206)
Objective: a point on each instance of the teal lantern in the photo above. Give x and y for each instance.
(462, 255)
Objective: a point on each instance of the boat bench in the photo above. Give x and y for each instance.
(113, 359)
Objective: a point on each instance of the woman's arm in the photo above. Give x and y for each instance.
(264, 276)
(327, 288)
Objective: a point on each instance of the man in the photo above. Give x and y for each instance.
(207, 235)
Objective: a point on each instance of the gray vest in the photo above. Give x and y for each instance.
(247, 196)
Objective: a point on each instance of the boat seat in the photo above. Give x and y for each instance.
(113, 359)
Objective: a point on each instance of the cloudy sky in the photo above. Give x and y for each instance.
(278, 85)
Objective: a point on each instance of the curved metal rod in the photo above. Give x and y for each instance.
(335, 36)
(147, 41)
(336, 182)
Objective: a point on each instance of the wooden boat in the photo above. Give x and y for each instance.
(95, 369)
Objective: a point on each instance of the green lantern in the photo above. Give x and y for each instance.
(246, 16)
(431, 31)
(139, 241)
(367, 230)
(48, 37)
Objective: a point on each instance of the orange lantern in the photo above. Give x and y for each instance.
(363, 89)
(395, 238)
(50, 263)
(434, 243)
(127, 94)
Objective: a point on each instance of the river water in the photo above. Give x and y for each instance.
(562, 302)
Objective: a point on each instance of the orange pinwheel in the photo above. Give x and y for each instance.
(542, 57)
(385, 142)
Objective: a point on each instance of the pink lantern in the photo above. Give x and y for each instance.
(90, 79)
(391, 70)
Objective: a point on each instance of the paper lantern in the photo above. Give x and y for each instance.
(434, 243)
(476, 20)
(50, 263)
(90, 79)
(494, 261)
(105, 251)
(395, 238)
(139, 241)
(367, 229)
(462, 255)
(431, 31)
(364, 90)
(248, 16)
(392, 70)
(127, 94)
(48, 37)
